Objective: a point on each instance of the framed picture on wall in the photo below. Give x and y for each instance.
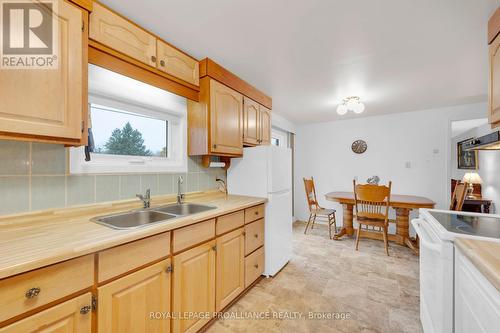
(467, 159)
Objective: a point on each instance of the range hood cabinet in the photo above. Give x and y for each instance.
(486, 142)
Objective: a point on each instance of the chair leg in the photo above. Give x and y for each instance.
(334, 223)
(314, 220)
(357, 236)
(386, 243)
(329, 227)
(308, 221)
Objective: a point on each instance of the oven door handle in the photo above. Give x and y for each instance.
(424, 237)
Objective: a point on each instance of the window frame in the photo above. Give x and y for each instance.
(175, 162)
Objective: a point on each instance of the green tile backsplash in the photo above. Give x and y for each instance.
(33, 177)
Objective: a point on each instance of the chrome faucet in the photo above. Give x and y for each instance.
(146, 199)
(180, 195)
(223, 183)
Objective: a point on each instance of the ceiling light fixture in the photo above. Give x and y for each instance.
(351, 103)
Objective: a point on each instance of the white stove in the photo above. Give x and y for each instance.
(437, 230)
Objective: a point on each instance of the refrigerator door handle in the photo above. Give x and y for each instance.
(280, 192)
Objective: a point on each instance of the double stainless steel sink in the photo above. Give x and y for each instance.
(144, 217)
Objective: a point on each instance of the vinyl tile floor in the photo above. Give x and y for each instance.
(330, 287)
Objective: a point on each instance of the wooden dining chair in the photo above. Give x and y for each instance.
(315, 210)
(458, 196)
(371, 203)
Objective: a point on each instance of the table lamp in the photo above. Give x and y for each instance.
(471, 178)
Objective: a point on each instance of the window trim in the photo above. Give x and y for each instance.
(176, 162)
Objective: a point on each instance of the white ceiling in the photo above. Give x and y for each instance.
(397, 55)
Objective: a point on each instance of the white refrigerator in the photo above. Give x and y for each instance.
(266, 171)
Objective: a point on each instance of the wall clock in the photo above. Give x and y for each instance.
(359, 146)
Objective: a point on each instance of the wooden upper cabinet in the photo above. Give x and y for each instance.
(494, 93)
(230, 267)
(49, 102)
(125, 304)
(114, 31)
(265, 125)
(193, 287)
(226, 113)
(73, 316)
(176, 63)
(251, 122)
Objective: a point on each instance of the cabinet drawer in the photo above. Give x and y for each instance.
(254, 266)
(70, 316)
(254, 213)
(193, 234)
(114, 31)
(230, 222)
(123, 258)
(174, 62)
(254, 236)
(30, 290)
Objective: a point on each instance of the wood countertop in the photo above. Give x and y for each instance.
(484, 255)
(33, 240)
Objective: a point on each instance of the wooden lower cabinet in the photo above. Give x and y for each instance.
(230, 267)
(73, 316)
(193, 287)
(125, 305)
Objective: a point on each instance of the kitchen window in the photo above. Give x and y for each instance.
(135, 127)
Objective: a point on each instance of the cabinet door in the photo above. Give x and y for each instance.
(73, 316)
(48, 102)
(251, 126)
(225, 119)
(265, 125)
(194, 286)
(124, 305)
(121, 35)
(495, 82)
(174, 62)
(230, 267)
(477, 301)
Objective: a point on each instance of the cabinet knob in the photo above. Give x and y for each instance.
(244, 233)
(169, 269)
(256, 213)
(214, 247)
(86, 309)
(162, 63)
(256, 265)
(215, 146)
(33, 292)
(153, 58)
(256, 236)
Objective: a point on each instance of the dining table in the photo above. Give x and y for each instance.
(403, 205)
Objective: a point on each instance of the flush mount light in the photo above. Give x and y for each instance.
(351, 103)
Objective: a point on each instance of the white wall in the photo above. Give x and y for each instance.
(422, 138)
(489, 165)
(283, 123)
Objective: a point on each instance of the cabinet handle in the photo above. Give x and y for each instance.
(86, 309)
(162, 63)
(256, 265)
(33, 292)
(153, 58)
